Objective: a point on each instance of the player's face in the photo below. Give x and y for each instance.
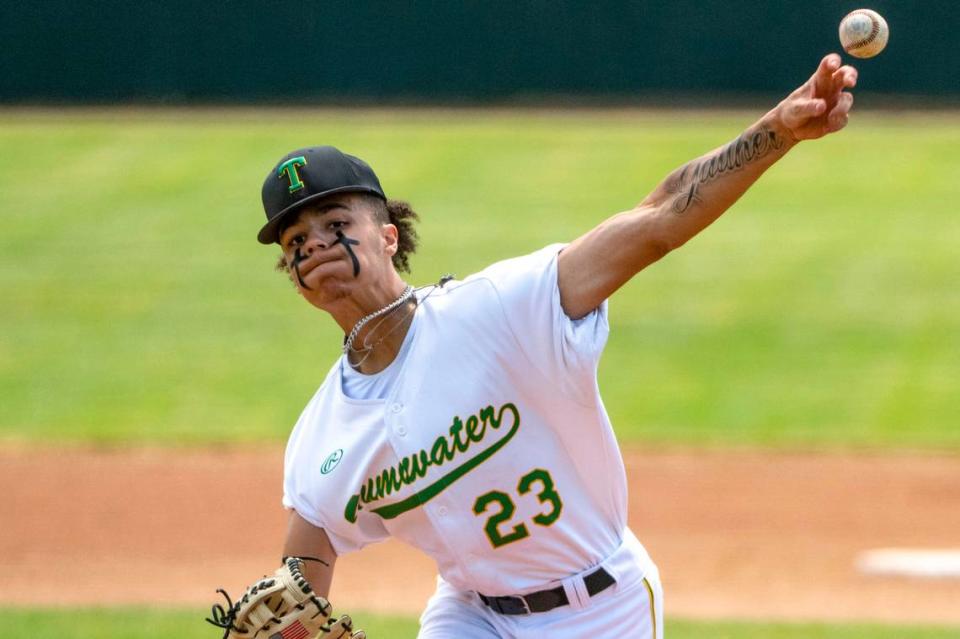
(336, 247)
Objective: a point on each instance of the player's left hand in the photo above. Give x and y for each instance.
(820, 105)
(283, 605)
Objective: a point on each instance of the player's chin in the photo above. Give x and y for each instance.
(328, 289)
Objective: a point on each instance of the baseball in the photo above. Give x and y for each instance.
(863, 33)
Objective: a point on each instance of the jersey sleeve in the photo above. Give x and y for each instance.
(293, 499)
(319, 498)
(566, 351)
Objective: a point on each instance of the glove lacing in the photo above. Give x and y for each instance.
(224, 618)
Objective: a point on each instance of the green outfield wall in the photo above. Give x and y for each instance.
(309, 52)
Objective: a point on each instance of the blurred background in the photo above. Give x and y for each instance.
(152, 362)
(322, 53)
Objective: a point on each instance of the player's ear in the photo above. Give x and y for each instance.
(391, 237)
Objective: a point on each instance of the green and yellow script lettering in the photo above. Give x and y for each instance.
(444, 449)
(475, 429)
(441, 452)
(455, 429)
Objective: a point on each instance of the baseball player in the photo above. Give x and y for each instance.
(465, 418)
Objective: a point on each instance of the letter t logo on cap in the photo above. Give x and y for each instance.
(290, 168)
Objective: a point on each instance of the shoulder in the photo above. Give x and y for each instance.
(511, 269)
(527, 281)
(519, 273)
(311, 417)
(496, 283)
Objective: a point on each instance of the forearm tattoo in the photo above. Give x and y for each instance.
(750, 146)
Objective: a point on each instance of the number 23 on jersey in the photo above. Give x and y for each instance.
(537, 478)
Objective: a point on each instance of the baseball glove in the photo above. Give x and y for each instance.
(283, 606)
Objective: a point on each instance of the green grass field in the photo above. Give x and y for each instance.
(823, 311)
(152, 624)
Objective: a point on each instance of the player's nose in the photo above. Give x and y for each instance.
(315, 242)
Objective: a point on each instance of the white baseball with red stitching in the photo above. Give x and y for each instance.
(863, 33)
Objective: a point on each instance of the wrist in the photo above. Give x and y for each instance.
(773, 121)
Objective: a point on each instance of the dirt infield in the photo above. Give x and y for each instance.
(736, 534)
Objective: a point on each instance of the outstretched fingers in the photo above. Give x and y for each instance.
(821, 105)
(823, 77)
(840, 114)
(803, 109)
(845, 77)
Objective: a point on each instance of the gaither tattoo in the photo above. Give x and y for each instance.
(747, 148)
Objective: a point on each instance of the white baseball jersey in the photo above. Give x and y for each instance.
(492, 451)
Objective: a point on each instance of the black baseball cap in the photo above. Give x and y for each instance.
(309, 174)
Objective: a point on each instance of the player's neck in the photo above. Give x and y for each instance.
(350, 309)
(377, 345)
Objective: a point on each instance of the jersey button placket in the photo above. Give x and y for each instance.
(396, 408)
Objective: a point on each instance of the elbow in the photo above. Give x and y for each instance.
(657, 248)
(672, 242)
(647, 250)
(660, 233)
(649, 236)
(656, 241)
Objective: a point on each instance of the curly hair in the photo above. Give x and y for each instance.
(396, 212)
(402, 216)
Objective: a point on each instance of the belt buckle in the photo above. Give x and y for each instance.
(526, 606)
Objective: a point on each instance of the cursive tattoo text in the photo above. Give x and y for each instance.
(747, 148)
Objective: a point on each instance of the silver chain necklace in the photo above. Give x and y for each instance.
(348, 342)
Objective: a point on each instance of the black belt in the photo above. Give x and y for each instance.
(544, 600)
